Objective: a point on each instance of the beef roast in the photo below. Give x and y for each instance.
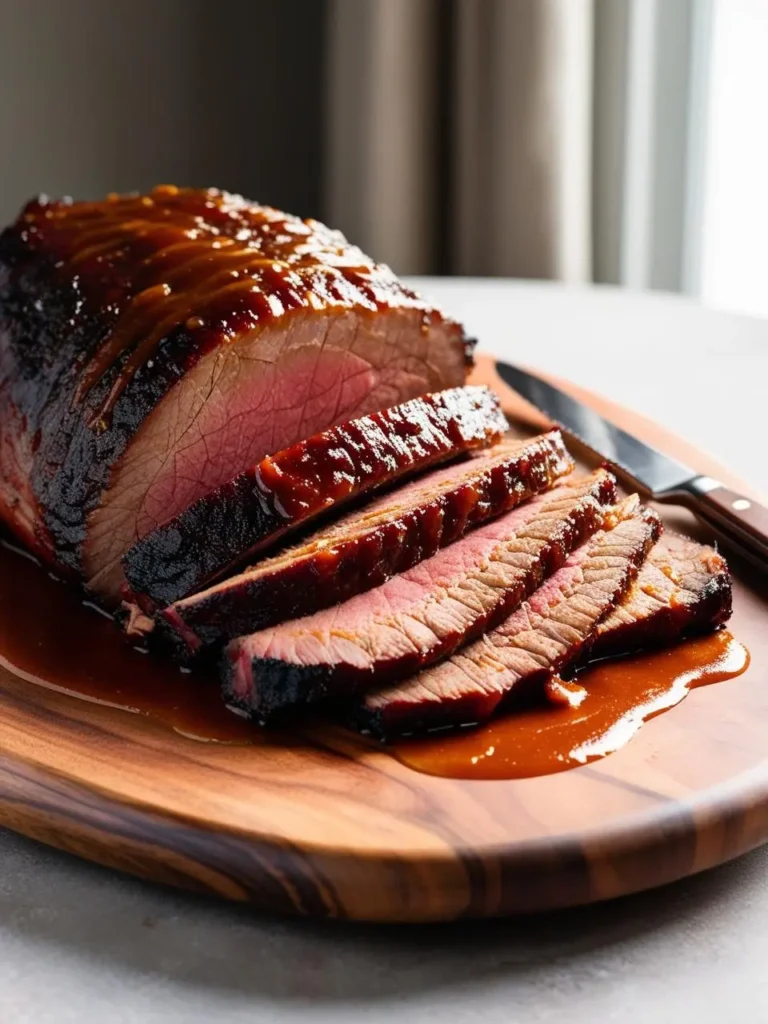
(152, 347)
(421, 615)
(546, 633)
(371, 544)
(287, 489)
(682, 588)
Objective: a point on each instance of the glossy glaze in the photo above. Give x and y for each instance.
(109, 308)
(51, 636)
(347, 831)
(193, 258)
(580, 721)
(289, 488)
(413, 620)
(371, 544)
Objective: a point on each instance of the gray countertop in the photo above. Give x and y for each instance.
(80, 943)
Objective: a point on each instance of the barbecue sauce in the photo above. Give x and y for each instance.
(195, 260)
(51, 636)
(581, 720)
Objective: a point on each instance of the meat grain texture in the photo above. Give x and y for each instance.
(547, 633)
(153, 347)
(164, 359)
(682, 588)
(421, 615)
(287, 490)
(370, 545)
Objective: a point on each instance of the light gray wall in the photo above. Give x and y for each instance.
(114, 95)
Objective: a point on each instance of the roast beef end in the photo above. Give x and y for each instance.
(547, 632)
(421, 615)
(682, 588)
(265, 392)
(371, 544)
(153, 347)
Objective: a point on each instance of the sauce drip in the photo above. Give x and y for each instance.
(582, 720)
(197, 259)
(50, 636)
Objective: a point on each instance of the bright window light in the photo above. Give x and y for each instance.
(734, 258)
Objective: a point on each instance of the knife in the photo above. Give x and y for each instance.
(741, 522)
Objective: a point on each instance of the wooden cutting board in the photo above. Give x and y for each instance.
(334, 826)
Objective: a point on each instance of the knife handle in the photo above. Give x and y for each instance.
(742, 520)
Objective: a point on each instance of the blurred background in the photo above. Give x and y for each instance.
(618, 141)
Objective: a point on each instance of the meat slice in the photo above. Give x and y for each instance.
(682, 588)
(421, 615)
(372, 544)
(546, 633)
(234, 521)
(153, 347)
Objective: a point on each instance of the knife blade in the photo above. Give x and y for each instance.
(742, 522)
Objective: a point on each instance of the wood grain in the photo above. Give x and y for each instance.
(330, 825)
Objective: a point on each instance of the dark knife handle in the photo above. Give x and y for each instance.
(736, 517)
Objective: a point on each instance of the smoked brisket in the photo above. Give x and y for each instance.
(419, 616)
(372, 544)
(545, 634)
(682, 588)
(288, 489)
(153, 347)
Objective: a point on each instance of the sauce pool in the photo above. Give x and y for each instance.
(582, 720)
(51, 636)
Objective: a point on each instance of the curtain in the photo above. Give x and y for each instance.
(525, 138)
(459, 134)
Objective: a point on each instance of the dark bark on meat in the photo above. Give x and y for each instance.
(105, 308)
(420, 616)
(551, 631)
(370, 545)
(684, 588)
(223, 529)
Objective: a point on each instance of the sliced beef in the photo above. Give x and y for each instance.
(546, 633)
(421, 615)
(372, 544)
(153, 347)
(283, 491)
(682, 588)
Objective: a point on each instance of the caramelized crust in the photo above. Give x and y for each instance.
(420, 616)
(201, 259)
(370, 545)
(108, 308)
(544, 635)
(222, 529)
